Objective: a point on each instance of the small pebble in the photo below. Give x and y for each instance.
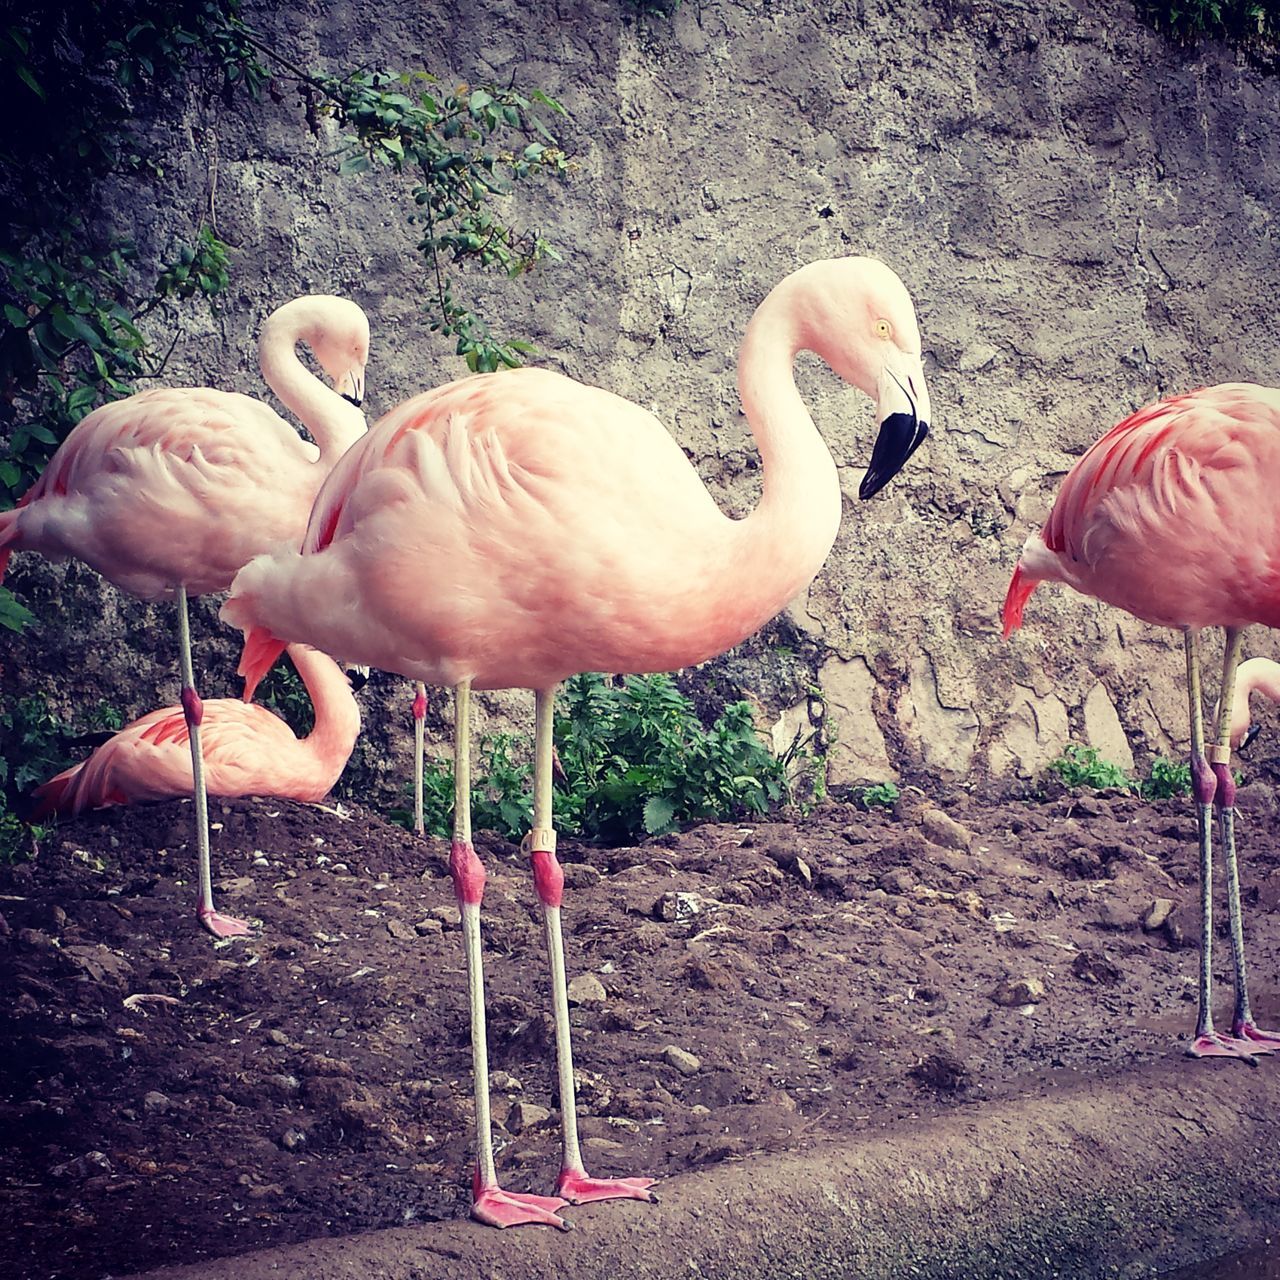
(684, 1062)
(586, 988)
(526, 1115)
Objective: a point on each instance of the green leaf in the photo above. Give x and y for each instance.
(357, 163)
(659, 814)
(14, 616)
(24, 74)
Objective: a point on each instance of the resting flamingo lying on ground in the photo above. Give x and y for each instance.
(171, 491)
(1168, 517)
(511, 529)
(248, 751)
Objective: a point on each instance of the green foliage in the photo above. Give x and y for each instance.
(879, 795)
(282, 690)
(500, 798)
(36, 745)
(1254, 24)
(636, 760)
(449, 143)
(1080, 766)
(986, 524)
(1167, 778)
(69, 344)
(37, 736)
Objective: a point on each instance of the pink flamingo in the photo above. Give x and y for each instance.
(1166, 518)
(511, 529)
(247, 750)
(169, 492)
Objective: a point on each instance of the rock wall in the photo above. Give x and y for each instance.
(1084, 213)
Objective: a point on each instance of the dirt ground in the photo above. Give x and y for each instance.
(835, 976)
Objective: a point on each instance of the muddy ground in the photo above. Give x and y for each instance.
(837, 975)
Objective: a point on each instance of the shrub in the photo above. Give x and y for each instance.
(1167, 778)
(880, 795)
(1079, 766)
(635, 758)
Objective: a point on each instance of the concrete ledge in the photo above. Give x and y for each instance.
(1120, 1177)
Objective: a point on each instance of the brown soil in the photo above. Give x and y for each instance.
(835, 976)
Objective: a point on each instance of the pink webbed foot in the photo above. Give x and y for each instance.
(497, 1208)
(578, 1188)
(223, 926)
(1216, 1045)
(1259, 1041)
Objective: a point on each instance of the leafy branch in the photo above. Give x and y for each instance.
(450, 144)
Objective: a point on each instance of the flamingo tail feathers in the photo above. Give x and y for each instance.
(51, 797)
(261, 649)
(1021, 585)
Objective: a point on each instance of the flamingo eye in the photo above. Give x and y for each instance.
(884, 329)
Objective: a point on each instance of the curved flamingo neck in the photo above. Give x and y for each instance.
(1259, 675)
(337, 714)
(788, 536)
(335, 424)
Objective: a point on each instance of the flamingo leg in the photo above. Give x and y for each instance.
(490, 1204)
(1208, 1043)
(419, 738)
(193, 711)
(573, 1184)
(1243, 1026)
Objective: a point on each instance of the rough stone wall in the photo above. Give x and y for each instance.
(1084, 213)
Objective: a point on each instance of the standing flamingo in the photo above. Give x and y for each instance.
(512, 529)
(247, 750)
(169, 492)
(1168, 516)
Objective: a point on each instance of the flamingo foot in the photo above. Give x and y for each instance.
(1214, 1044)
(497, 1208)
(578, 1188)
(1259, 1041)
(222, 926)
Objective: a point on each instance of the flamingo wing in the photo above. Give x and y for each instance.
(180, 484)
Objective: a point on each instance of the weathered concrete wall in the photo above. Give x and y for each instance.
(1084, 213)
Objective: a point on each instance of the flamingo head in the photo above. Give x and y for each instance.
(859, 317)
(336, 330)
(357, 675)
(343, 351)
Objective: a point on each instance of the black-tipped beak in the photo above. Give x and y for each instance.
(351, 387)
(357, 676)
(901, 434)
(1249, 734)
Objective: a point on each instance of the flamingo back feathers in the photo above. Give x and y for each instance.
(1169, 515)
